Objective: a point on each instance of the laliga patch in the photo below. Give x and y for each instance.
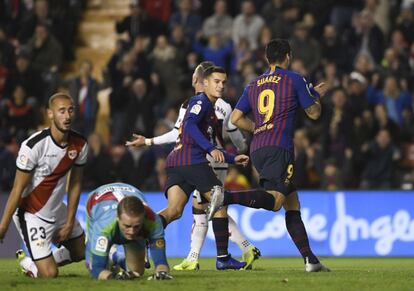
(72, 154)
(195, 109)
(160, 243)
(23, 160)
(101, 244)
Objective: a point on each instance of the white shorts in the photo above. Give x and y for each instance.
(37, 233)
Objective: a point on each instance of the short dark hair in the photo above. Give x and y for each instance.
(131, 206)
(213, 69)
(276, 50)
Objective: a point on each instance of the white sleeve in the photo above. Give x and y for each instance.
(234, 133)
(172, 135)
(83, 156)
(27, 158)
(169, 137)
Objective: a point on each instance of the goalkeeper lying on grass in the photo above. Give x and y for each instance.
(118, 214)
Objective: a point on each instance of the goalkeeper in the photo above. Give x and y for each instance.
(117, 214)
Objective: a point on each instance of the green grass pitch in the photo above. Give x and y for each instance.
(268, 274)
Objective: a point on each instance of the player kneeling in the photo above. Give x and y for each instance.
(117, 214)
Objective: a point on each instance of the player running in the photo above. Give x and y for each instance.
(118, 214)
(274, 98)
(200, 225)
(36, 200)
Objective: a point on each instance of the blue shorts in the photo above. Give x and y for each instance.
(276, 168)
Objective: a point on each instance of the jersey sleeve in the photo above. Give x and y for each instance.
(27, 158)
(180, 117)
(157, 243)
(198, 110)
(243, 104)
(99, 245)
(234, 133)
(303, 91)
(83, 156)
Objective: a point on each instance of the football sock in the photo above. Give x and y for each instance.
(62, 256)
(237, 237)
(28, 265)
(297, 231)
(221, 233)
(198, 235)
(254, 198)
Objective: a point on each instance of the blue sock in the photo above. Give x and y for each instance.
(118, 258)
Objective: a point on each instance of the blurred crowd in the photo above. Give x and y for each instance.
(363, 50)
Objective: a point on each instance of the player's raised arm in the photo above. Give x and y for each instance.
(21, 180)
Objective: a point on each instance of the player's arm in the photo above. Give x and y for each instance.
(196, 114)
(239, 115)
(309, 97)
(234, 133)
(157, 248)
(168, 137)
(74, 190)
(242, 121)
(21, 180)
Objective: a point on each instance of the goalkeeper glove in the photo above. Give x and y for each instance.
(160, 276)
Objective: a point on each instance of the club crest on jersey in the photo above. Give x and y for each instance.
(196, 109)
(72, 154)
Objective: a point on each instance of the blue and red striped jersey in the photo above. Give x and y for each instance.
(197, 134)
(273, 99)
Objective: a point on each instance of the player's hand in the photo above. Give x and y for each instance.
(63, 233)
(241, 160)
(162, 275)
(218, 156)
(321, 88)
(123, 275)
(138, 141)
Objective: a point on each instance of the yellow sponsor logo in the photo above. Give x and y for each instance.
(268, 79)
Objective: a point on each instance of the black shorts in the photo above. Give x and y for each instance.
(199, 177)
(276, 168)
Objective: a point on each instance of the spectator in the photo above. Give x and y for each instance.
(333, 49)
(190, 21)
(6, 51)
(214, 51)
(158, 179)
(84, 91)
(305, 48)
(98, 158)
(382, 121)
(164, 60)
(367, 38)
(247, 25)
(381, 156)
(140, 109)
(19, 115)
(219, 24)
(25, 75)
(46, 51)
(283, 27)
(137, 23)
(394, 99)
